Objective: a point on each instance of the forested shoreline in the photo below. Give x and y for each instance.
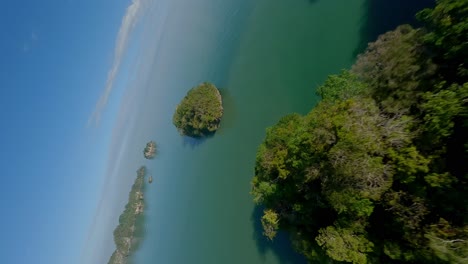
(124, 233)
(376, 172)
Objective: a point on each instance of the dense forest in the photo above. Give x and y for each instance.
(377, 171)
(124, 233)
(199, 113)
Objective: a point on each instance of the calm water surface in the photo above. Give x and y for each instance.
(267, 57)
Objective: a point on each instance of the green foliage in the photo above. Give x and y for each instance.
(124, 232)
(440, 179)
(350, 203)
(341, 87)
(376, 172)
(407, 210)
(449, 244)
(343, 244)
(447, 35)
(408, 163)
(330, 159)
(270, 223)
(263, 190)
(442, 107)
(199, 113)
(396, 69)
(149, 152)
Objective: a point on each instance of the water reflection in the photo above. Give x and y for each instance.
(280, 246)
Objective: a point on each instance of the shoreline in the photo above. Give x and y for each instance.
(124, 233)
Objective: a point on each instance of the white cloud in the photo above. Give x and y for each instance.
(128, 23)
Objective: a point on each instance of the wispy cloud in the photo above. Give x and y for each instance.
(128, 23)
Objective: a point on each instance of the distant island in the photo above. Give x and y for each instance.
(150, 150)
(199, 113)
(124, 233)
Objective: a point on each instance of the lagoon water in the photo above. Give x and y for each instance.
(267, 57)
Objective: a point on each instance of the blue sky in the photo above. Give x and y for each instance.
(57, 113)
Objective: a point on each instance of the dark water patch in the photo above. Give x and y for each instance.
(229, 40)
(385, 15)
(281, 246)
(194, 142)
(229, 113)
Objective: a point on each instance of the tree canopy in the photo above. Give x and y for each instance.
(124, 232)
(376, 172)
(149, 152)
(199, 113)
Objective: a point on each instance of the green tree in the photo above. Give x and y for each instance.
(270, 223)
(449, 244)
(199, 113)
(342, 87)
(343, 244)
(396, 68)
(376, 172)
(441, 109)
(447, 35)
(125, 230)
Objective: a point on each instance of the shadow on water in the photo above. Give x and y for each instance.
(193, 142)
(280, 246)
(383, 16)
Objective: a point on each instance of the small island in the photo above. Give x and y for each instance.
(124, 239)
(150, 150)
(199, 113)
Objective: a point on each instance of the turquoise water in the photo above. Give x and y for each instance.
(267, 57)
